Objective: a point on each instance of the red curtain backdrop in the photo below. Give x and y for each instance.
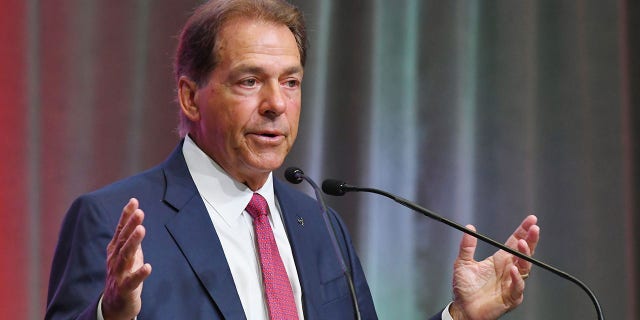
(14, 235)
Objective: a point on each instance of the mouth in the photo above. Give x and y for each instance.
(267, 137)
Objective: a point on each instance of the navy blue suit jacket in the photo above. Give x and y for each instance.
(191, 278)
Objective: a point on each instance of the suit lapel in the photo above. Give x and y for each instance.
(193, 232)
(299, 215)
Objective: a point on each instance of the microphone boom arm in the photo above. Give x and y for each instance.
(343, 187)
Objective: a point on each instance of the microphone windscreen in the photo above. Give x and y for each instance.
(294, 175)
(333, 187)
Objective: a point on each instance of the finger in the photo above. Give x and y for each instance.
(533, 236)
(516, 289)
(127, 211)
(467, 245)
(136, 278)
(131, 247)
(523, 229)
(524, 266)
(134, 221)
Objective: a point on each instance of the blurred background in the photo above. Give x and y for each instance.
(483, 111)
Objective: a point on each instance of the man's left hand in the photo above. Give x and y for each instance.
(487, 289)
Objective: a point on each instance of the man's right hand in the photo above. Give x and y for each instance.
(126, 269)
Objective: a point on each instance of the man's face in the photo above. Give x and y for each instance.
(250, 107)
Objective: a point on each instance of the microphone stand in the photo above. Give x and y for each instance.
(295, 176)
(339, 188)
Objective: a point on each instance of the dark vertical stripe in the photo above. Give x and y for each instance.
(627, 156)
(531, 112)
(82, 88)
(139, 76)
(585, 112)
(34, 125)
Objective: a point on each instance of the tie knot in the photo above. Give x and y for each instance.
(257, 206)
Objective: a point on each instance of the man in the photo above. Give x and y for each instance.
(239, 67)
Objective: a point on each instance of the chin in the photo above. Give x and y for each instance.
(265, 164)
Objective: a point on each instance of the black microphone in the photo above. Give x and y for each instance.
(295, 176)
(336, 187)
(339, 188)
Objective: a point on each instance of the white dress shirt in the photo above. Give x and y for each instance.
(225, 200)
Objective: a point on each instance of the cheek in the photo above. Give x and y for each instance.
(294, 121)
(294, 102)
(294, 118)
(229, 117)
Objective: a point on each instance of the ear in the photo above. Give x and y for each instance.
(187, 91)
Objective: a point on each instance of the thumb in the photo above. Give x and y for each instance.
(467, 245)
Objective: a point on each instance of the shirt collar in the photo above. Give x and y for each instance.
(227, 196)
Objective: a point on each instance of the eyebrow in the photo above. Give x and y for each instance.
(294, 69)
(259, 70)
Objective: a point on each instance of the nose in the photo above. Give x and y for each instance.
(273, 100)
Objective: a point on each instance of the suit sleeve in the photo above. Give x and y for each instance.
(78, 269)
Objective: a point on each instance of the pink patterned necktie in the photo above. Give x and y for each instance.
(274, 276)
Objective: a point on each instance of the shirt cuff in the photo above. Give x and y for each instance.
(99, 315)
(445, 313)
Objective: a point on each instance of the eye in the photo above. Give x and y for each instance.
(251, 82)
(293, 83)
